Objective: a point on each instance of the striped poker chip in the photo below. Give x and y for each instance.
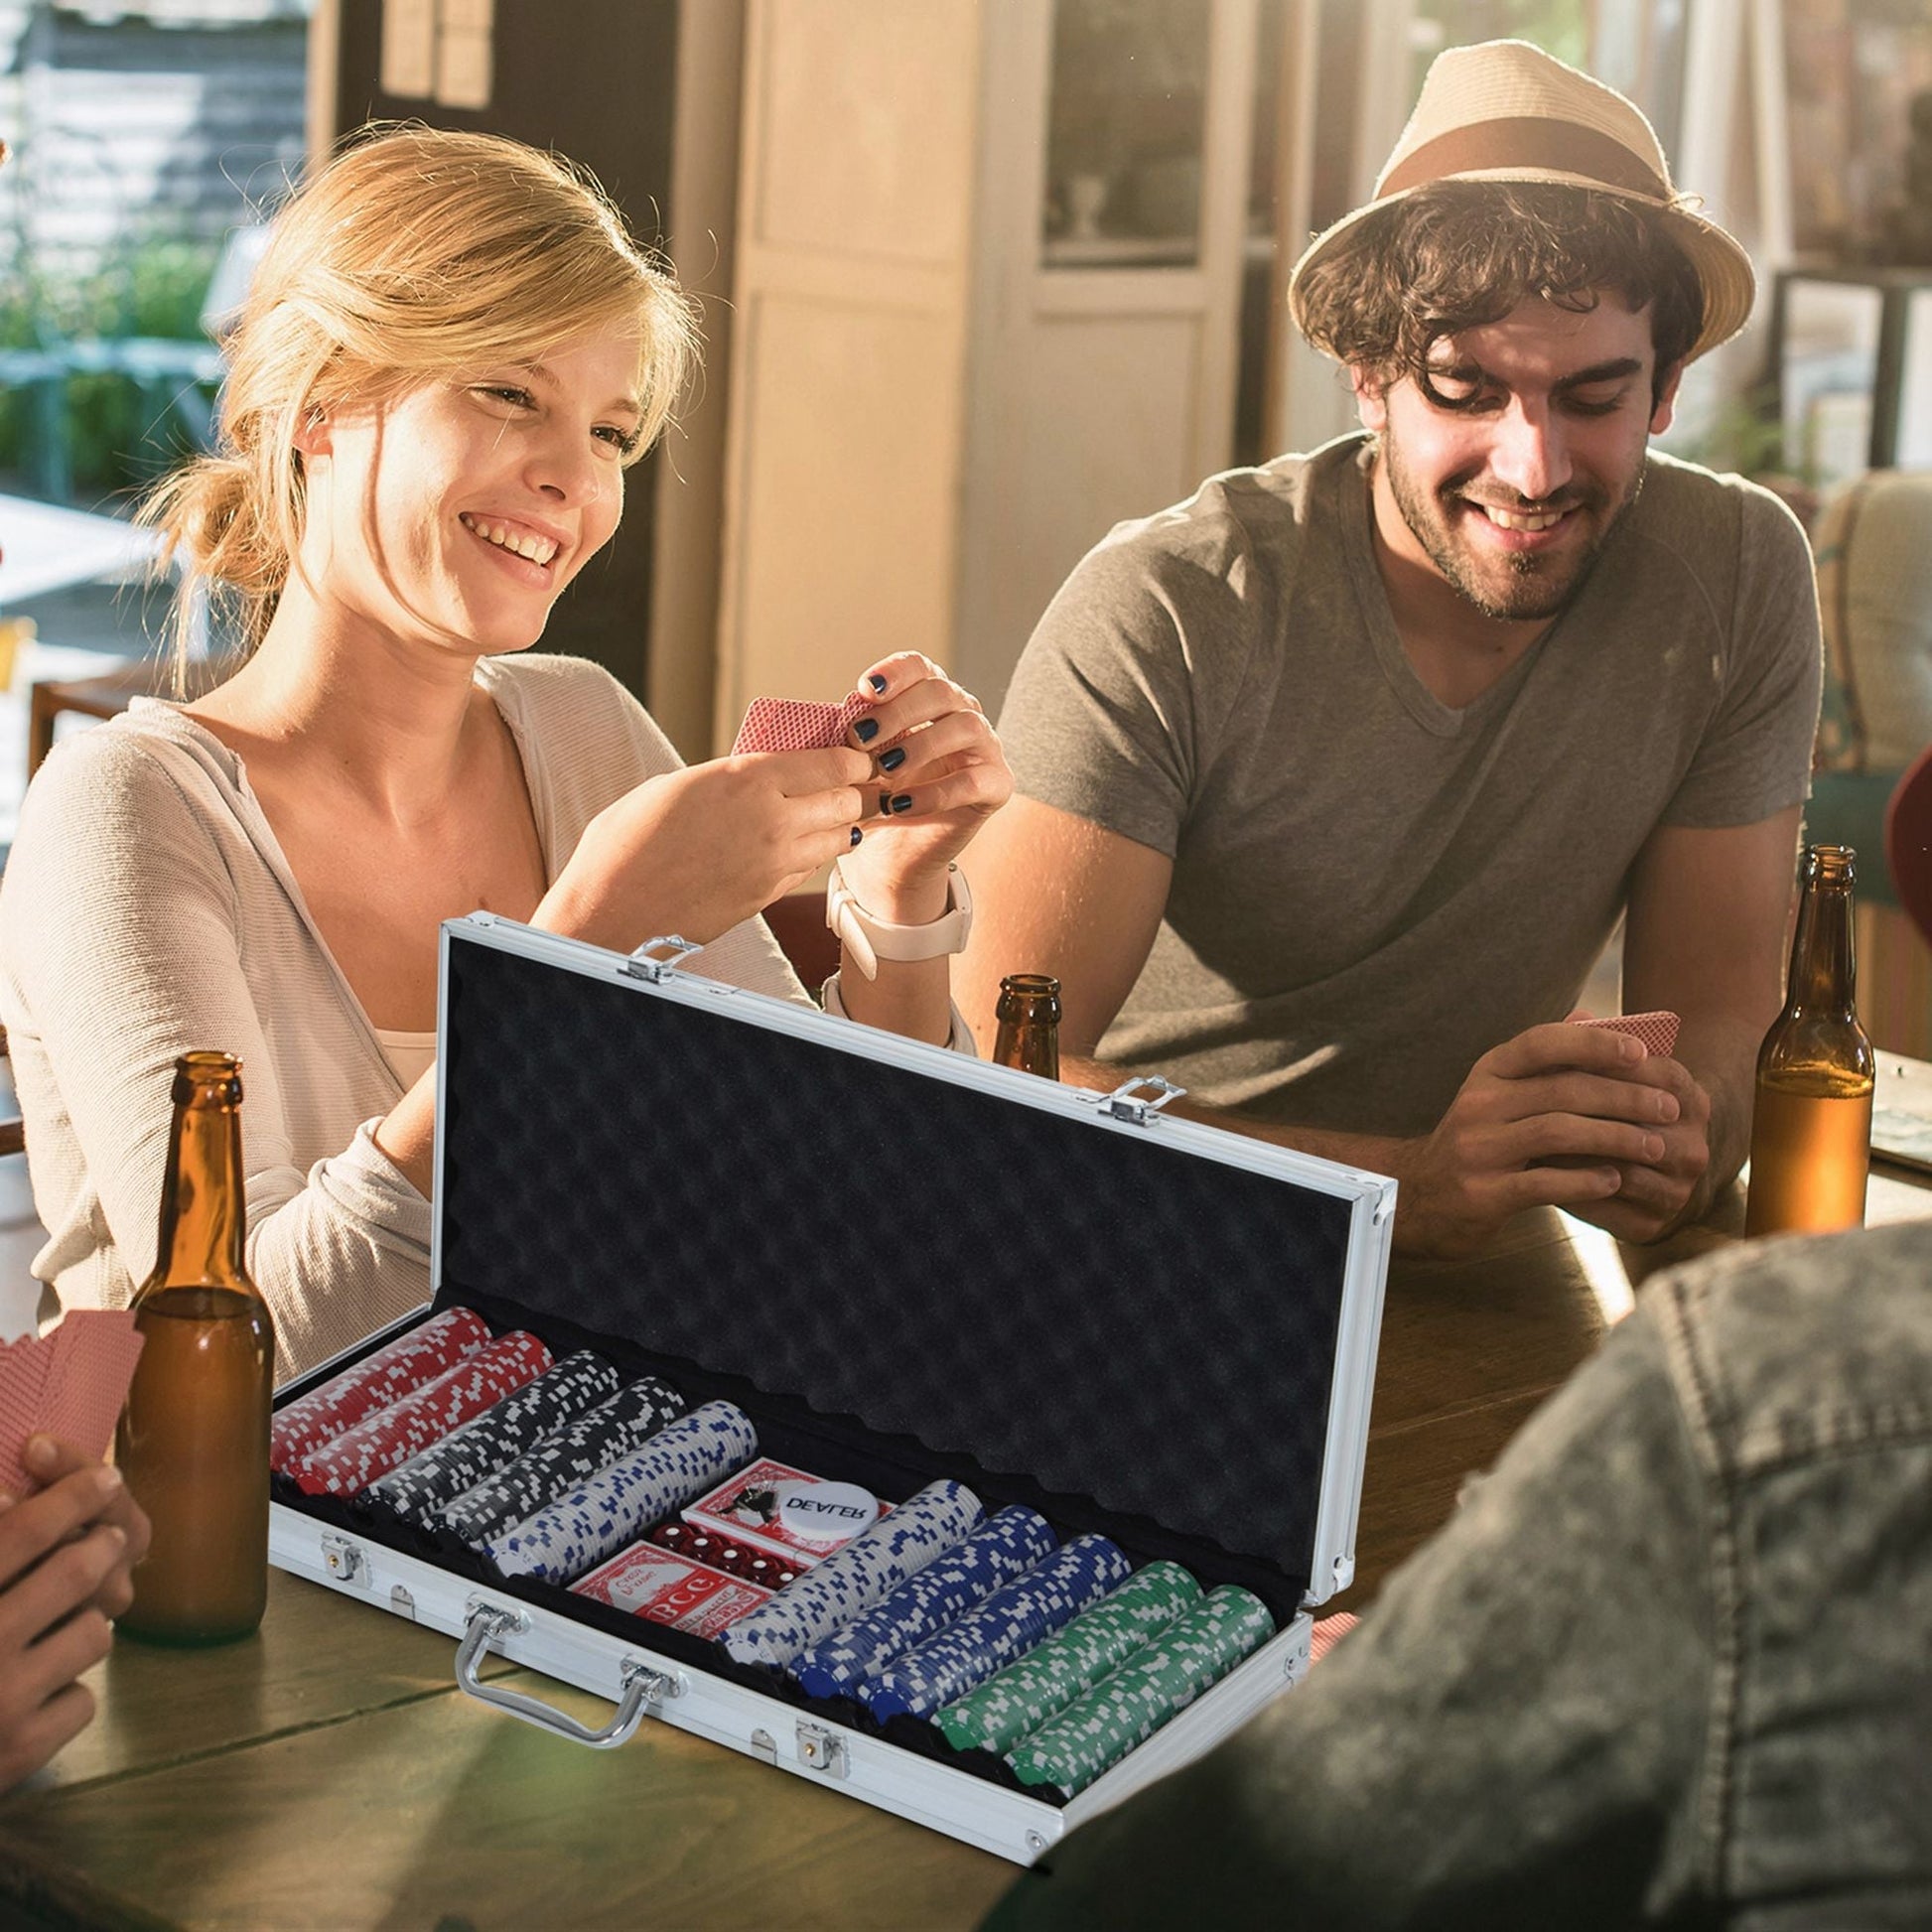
(1096, 1730)
(564, 1458)
(1051, 1675)
(1002, 1548)
(580, 1530)
(856, 1578)
(378, 1442)
(1006, 1625)
(373, 1383)
(496, 1438)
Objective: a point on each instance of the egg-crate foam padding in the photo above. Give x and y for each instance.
(1108, 1314)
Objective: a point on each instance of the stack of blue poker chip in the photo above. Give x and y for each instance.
(852, 1580)
(562, 1459)
(1009, 1623)
(1002, 1548)
(496, 1438)
(619, 1503)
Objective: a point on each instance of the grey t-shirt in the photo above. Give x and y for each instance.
(1371, 889)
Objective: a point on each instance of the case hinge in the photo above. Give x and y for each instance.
(1127, 1101)
(342, 1558)
(823, 1749)
(658, 959)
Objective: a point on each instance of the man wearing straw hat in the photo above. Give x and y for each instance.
(1335, 780)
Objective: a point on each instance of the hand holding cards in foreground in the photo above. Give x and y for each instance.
(69, 1384)
(1564, 1116)
(65, 1558)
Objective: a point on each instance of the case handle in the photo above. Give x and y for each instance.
(642, 1685)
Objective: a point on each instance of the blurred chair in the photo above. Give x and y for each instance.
(797, 923)
(1874, 593)
(1908, 842)
(105, 695)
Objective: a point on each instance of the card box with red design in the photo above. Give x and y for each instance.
(746, 1509)
(672, 1590)
(904, 1266)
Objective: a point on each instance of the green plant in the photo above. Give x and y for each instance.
(116, 436)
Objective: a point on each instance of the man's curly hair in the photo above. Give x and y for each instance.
(1459, 254)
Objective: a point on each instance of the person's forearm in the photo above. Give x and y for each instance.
(408, 1134)
(1721, 1055)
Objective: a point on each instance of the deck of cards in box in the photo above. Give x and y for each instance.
(973, 1443)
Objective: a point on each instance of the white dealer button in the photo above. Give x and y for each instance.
(826, 1512)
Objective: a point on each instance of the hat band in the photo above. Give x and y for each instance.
(1526, 141)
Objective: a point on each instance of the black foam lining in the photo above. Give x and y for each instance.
(1013, 1292)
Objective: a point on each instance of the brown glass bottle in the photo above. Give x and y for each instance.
(1811, 1120)
(1029, 1013)
(194, 1438)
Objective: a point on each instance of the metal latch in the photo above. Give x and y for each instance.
(658, 959)
(820, 1750)
(1126, 1103)
(342, 1558)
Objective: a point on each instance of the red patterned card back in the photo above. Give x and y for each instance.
(94, 1353)
(24, 1367)
(792, 725)
(1657, 1030)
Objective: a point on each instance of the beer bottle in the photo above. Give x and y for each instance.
(1811, 1122)
(192, 1443)
(1029, 1013)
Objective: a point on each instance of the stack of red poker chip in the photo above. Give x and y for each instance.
(378, 1380)
(378, 1443)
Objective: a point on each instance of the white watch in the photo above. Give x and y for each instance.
(868, 940)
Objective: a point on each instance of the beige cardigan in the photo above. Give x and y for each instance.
(148, 910)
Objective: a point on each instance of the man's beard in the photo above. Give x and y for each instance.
(1535, 588)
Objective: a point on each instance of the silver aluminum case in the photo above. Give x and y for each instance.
(1010, 1824)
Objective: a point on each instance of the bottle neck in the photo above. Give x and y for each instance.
(203, 1199)
(1823, 967)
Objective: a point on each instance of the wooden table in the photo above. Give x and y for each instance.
(324, 1773)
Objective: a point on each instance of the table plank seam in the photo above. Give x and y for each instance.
(105, 1779)
(1455, 1411)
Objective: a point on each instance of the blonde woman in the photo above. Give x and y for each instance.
(450, 354)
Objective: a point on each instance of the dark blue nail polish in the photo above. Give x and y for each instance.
(857, 835)
(865, 730)
(885, 804)
(903, 802)
(892, 760)
(876, 681)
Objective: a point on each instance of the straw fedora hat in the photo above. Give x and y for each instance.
(1505, 111)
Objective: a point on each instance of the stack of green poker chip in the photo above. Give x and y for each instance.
(1003, 1710)
(1166, 1674)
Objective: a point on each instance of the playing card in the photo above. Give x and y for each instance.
(792, 725)
(23, 1365)
(94, 1353)
(69, 1384)
(1657, 1030)
(1327, 1633)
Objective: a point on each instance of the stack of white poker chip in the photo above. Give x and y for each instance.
(856, 1578)
(617, 1506)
